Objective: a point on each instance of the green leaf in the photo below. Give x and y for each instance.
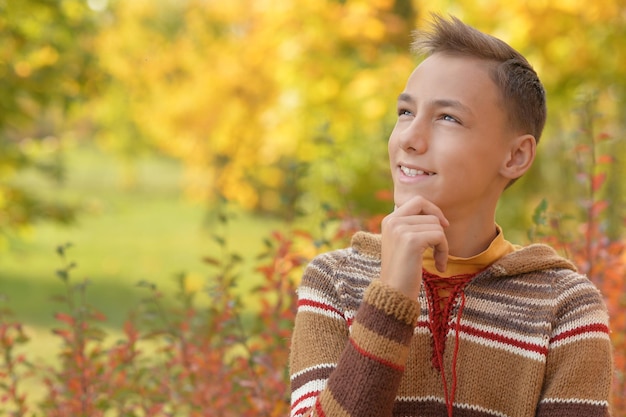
(539, 215)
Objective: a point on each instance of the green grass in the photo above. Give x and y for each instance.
(127, 234)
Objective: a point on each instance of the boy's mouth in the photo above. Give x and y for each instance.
(413, 172)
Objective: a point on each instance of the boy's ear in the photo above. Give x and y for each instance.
(520, 157)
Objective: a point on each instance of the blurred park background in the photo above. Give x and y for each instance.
(128, 128)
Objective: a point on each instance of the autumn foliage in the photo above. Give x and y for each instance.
(184, 359)
(586, 239)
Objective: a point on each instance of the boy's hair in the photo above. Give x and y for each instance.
(523, 94)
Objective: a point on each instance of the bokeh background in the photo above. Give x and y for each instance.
(126, 127)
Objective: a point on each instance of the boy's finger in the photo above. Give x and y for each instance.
(440, 254)
(419, 205)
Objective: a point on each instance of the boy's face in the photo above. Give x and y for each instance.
(451, 136)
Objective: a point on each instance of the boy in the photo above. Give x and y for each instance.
(440, 315)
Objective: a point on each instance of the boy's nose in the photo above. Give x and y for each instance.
(415, 138)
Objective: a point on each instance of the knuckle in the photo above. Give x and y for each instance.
(390, 221)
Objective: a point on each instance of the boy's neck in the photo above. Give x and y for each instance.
(469, 238)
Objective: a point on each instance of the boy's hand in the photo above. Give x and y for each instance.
(406, 233)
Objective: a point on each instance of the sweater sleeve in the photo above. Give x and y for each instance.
(579, 363)
(341, 372)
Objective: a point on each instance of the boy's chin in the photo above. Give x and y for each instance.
(401, 198)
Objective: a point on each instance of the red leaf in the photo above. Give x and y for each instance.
(277, 235)
(65, 334)
(302, 233)
(605, 159)
(597, 181)
(66, 318)
(384, 195)
(598, 207)
(131, 331)
(582, 148)
(99, 316)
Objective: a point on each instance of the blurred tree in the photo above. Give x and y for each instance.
(286, 105)
(46, 66)
(252, 94)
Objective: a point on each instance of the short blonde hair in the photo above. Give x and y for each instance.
(523, 94)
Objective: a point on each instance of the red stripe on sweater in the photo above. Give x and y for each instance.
(301, 411)
(317, 304)
(506, 340)
(376, 358)
(304, 397)
(590, 328)
(318, 409)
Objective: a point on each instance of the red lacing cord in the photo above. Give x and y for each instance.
(443, 291)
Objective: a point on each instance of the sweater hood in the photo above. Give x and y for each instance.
(531, 258)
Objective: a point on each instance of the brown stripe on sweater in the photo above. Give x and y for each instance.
(321, 271)
(571, 410)
(431, 408)
(511, 292)
(386, 326)
(517, 291)
(425, 408)
(353, 388)
(514, 323)
(380, 346)
(581, 305)
(319, 372)
(521, 314)
(331, 407)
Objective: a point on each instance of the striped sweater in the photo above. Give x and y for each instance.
(532, 340)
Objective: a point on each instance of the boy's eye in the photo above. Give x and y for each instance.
(404, 112)
(449, 118)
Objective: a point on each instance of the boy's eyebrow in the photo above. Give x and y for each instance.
(406, 97)
(442, 102)
(455, 104)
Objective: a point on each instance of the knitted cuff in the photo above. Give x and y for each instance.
(392, 302)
